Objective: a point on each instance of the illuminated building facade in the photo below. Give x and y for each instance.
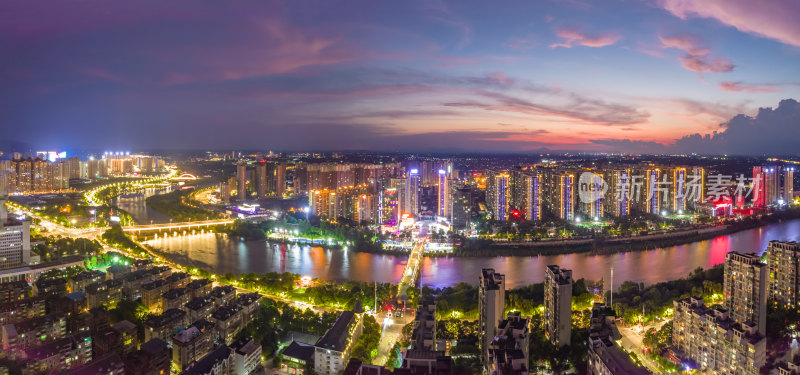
(444, 198)
(498, 194)
(783, 259)
(566, 204)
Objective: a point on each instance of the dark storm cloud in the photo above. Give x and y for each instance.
(772, 131)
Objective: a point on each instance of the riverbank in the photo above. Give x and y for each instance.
(605, 246)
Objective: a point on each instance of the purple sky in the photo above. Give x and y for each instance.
(599, 75)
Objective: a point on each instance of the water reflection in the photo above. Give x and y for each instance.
(135, 205)
(218, 253)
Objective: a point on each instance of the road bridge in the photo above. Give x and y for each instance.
(200, 224)
(412, 270)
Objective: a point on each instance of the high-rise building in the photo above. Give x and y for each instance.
(745, 286)
(241, 181)
(714, 341)
(772, 183)
(566, 197)
(558, 305)
(677, 193)
(444, 202)
(653, 193)
(591, 195)
(783, 259)
(788, 185)
(463, 201)
(759, 194)
(617, 200)
(532, 198)
(261, 180)
(498, 194)
(491, 305)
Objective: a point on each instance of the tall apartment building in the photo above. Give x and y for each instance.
(463, 201)
(714, 341)
(617, 199)
(558, 305)
(444, 195)
(35, 176)
(745, 286)
(241, 181)
(772, 184)
(783, 259)
(491, 305)
(591, 195)
(498, 194)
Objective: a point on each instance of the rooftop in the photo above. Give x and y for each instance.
(335, 338)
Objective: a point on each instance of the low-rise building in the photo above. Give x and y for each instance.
(141, 265)
(132, 283)
(79, 282)
(111, 364)
(713, 341)
(162, 326)
(151, 294)
(200, 308)
(175, 298)
(61, 354)
(51, 288)
(508, 351)
(219, 361)
(13, 290)
(23, 309)
(296, 357)
(189, 345)
(333, 349)
(117, 272)
(34, 332)
(228, 320)
(178, 280)
(223, 295)
(605, 357)
(200, 287)
(128, 335)
(160, 272)
(104, 293)
(246, 356)
(153, 358)
(251, 305)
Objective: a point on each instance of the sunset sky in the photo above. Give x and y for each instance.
(591, 75)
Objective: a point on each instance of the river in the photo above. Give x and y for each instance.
(219, 254)
(134, 204)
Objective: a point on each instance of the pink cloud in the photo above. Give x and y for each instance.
(697, 57)
(522, 44)
(743, 87)
(772, 19)
(573, 36)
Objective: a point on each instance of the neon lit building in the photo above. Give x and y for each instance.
(444, 199)
(617, 201)
(499, 195)
(533, 197)
(566, 197)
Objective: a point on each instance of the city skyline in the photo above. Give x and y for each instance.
(641, 77)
